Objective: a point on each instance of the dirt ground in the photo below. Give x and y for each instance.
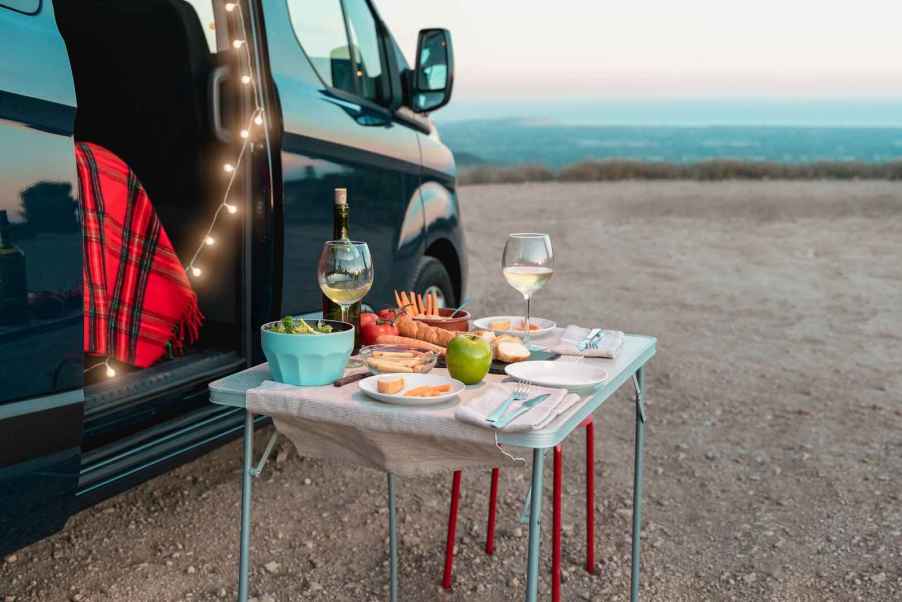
(774, 456)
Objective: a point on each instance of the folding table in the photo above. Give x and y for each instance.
(628, 366)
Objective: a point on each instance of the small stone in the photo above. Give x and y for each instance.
(221, 593)
(272, 567)
(308, 544)
(710, 455)
(513, 582)
(191, 570)
(77, 598)
(282, 455)
(878, 578)
(11, 558)
(749, 578)
(307, 482)
(518, 532)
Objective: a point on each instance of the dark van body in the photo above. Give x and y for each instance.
(156, 82)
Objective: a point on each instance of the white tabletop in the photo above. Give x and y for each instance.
(636, 352)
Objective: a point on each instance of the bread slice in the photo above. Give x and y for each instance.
(390, 386)
(510, 349)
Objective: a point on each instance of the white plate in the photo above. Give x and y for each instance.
(564, 375)
(545, 326)
(370, 387)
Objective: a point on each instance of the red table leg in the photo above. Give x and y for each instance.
(590, 497)
(493, 505)
(452, 530)
(556, 525)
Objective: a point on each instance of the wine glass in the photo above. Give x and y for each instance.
(527, 265)
(345, 272)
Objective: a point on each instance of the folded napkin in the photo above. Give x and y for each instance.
(474, 411)
(610, 343)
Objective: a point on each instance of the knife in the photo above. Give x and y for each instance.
(527, 405)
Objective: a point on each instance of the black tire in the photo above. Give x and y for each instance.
(431, 273)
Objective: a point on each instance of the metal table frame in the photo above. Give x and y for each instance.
(540, 444)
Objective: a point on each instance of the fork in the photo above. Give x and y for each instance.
(587, 342)
(596, 340)
(521, 390)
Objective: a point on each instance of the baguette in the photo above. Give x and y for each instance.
(390, 339)
(417, 330)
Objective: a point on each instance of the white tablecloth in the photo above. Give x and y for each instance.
(343, 424)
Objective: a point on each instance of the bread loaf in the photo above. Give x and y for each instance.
(408, 327)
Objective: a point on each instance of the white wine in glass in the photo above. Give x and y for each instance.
(345, 272)
(527, 265)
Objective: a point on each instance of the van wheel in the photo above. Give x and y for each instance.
(432, 277)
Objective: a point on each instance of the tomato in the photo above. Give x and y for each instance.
(388, 314)
(367, 317)
(369, 332)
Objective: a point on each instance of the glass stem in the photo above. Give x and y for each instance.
(344, 312)
(526, 325)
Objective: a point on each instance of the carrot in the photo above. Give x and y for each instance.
(435, 311)
(421, 304)
(389, 339)
(398, 300)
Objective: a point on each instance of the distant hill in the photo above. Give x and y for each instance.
(465, 159)
(542, 142)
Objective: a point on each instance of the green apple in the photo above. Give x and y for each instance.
(469, 358)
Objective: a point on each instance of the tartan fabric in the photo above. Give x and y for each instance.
(137, 297)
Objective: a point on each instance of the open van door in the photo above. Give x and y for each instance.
(41, 379)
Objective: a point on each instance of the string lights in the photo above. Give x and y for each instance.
(255, 119)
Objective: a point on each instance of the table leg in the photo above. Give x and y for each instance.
(637, 482)
(535, 520)
(246, 479)
(392, 541)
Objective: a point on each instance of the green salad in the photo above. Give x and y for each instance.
(290, 325)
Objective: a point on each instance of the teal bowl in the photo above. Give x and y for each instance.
(308, 359)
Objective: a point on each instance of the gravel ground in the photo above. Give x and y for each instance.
(774, 456)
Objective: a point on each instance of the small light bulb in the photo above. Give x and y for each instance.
(228, 167)
(196, 271)
(110, 372)
(231, 208)
(230, 6)
(258, 119)
(237, 43)
(210, 241)
(245, 79)
(245, 133)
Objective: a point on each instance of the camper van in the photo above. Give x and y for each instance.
(165, 85)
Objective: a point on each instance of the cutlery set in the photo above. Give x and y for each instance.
(501, 417)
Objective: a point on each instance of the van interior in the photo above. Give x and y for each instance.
(143, 76)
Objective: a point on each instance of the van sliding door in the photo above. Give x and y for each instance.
(41, 395)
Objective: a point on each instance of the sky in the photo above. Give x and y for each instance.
(530, 50)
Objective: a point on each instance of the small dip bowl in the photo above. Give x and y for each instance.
(459, 323)
(390, 359)
(308, 359)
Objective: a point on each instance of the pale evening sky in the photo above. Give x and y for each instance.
(654, 48)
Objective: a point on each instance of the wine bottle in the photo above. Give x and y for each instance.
(13, 292)
(341, 231)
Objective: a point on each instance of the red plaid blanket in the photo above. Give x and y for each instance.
(137, 298)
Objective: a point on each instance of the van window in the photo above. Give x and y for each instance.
(323, 28)
(320, 27)
(367, 51)
(23, 6)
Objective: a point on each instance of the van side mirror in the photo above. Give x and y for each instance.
(433, 77)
